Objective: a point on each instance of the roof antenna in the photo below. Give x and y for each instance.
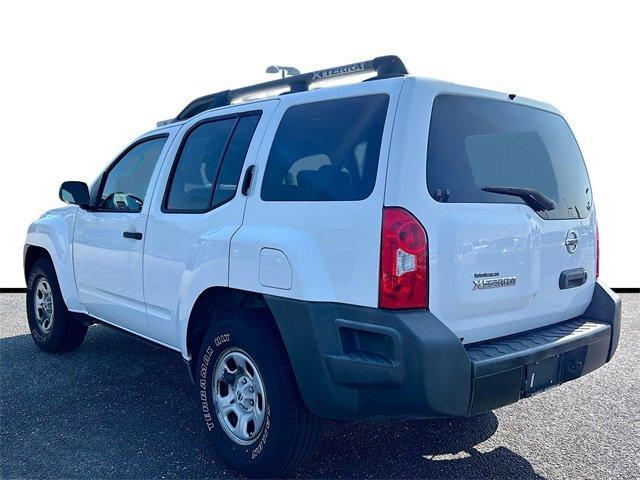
(286, 71)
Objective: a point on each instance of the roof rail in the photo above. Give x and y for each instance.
(385, 67)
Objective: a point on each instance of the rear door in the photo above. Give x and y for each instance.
(496, 260)
(197, 207)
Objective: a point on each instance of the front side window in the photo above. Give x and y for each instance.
(479, 147)
(126, 182)
(326, 151)
(209, 164)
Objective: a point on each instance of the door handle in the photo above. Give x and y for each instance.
(572, 278)
(246, 183)
(132, 235)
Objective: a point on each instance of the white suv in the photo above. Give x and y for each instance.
(399, 247)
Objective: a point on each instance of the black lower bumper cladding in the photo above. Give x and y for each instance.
(365, 363)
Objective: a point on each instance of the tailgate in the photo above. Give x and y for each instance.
(503, 263)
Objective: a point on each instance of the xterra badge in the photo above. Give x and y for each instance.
(493, 282)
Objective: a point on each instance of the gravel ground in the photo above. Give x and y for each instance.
(120, 408)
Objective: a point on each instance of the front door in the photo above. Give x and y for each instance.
(109, 238)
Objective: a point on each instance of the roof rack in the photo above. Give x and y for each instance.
(385, 67)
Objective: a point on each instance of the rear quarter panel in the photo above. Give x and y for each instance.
(332, 248)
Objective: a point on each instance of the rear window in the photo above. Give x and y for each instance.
(478, 142)
(326, 151)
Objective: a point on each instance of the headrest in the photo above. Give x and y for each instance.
(326, 180)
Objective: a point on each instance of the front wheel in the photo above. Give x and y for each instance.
(249, 398)
(53, 328)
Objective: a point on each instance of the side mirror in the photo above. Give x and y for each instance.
(76, 193)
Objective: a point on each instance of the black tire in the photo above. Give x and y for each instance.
(290, 431)
(63, 332)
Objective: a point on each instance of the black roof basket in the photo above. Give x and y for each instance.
(385, 67)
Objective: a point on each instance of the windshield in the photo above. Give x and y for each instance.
(475, 143)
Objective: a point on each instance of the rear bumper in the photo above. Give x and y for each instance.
(365, 363)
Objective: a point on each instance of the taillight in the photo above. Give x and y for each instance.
(403, 261)
(597, 252)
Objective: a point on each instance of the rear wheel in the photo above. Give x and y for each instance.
(249, 398)
(53, 328)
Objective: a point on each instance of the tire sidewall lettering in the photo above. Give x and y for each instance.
(263, 438)
(206, 405)
(220, 339)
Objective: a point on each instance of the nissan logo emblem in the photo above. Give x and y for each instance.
(571, 241)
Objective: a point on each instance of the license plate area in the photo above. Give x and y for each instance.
(542, 375)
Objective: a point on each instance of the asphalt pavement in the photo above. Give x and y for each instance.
(118, 408)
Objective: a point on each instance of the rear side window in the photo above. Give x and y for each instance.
(209, 163)
(478, 142)
(326, 151)
(229, 176)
